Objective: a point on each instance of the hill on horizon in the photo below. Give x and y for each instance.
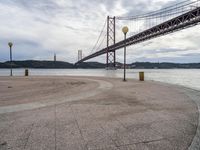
(95, 65)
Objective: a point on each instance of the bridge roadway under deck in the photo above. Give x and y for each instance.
(183, 21)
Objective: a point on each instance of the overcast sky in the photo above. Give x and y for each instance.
(40, 28)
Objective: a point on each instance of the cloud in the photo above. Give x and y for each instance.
(40, 28)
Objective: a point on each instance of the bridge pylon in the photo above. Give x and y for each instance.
(110, 57)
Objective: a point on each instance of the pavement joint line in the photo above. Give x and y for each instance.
(104, 130)
(85, 143)
(55, 127)
(120, 123)
(31, 130)
(167, 137)
(157, 132)
(145, 142)
(28, 136)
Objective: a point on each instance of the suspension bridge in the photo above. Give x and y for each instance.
(142, 28)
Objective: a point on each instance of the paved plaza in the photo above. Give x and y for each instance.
(91, 113)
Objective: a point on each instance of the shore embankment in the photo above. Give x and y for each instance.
(96, 113)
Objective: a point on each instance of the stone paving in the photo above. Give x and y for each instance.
(125, 116)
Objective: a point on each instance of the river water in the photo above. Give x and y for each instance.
(185, 77)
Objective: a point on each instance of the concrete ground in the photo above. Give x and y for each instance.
(90, 113)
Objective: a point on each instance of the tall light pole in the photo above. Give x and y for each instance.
(125, 31)
(10, 44)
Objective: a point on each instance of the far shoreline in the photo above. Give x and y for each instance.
(44, 64)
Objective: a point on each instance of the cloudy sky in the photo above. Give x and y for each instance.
(40, 28)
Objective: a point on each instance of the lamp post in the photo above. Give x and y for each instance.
(10, 44)
(125, 31)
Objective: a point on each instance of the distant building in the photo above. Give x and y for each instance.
(80, 55)
(54, 57)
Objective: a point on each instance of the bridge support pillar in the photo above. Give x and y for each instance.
(111, 56)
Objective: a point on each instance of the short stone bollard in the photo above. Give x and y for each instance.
(26, 72)
(141, 76)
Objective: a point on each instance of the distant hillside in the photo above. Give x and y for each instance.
(4, 65)
(88, 65)
(51, 64)
(95, 65)
(164, 65)
(37, 64)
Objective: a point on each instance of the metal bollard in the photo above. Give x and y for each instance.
(141, 76)
(26, 72)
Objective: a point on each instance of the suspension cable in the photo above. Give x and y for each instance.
(176, 7)
(102, 42)
(98, 39)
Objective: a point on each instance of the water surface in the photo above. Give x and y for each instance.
(185, 77)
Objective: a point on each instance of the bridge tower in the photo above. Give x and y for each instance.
(80, 55)
(111, 57)
(54, 58)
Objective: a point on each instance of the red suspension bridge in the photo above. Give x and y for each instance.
(143, 27)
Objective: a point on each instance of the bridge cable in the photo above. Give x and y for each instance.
(102, 42)
(98, 39)
(151, 15)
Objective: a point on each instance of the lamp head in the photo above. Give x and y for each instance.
(10, 44)
(125, 29)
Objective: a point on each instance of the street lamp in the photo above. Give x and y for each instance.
(125, 31)
(10, 44)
